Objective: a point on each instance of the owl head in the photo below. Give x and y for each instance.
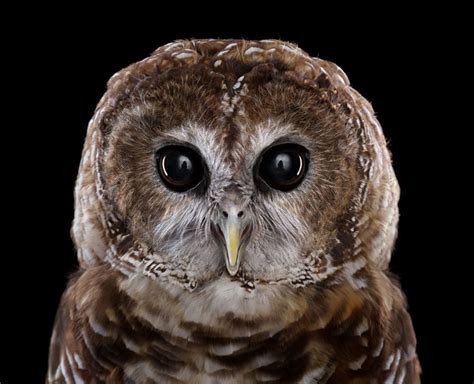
(233, 159)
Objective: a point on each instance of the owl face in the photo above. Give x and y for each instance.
(250, 193)
(236, 160)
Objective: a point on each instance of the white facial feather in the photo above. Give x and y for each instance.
(278, 231)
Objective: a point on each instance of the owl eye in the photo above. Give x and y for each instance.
(181, 168)
(283, 167)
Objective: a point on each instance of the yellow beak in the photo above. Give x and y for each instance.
(231, 230)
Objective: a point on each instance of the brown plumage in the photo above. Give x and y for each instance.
(164, 294)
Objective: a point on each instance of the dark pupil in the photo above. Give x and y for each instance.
(283, 167)
(178, 167)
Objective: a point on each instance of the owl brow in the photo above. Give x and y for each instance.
(171, 140)
(285, 139)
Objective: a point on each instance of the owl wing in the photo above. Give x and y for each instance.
(64, 361)
(402, 363)
(82, 349)
(393, 357)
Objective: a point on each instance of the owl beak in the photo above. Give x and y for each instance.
(233, 233)
(232, 243)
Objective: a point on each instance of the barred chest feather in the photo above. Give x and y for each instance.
(135, 330)
(227, 332)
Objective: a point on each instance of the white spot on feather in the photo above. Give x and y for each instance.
(78, 360)
(252, 50)
(312, 375)
(340, 78)
(350, 269)
(290, 49)
(377, 350)
(140, 371)
(357, 364)
(131, 345)
(183, 55)
(391, 378)
(227, 348)
(222, 53)
(229, 46)
(171, 46)
(98, 328)
(62, 368)
(362, 327)
(401, 378)
(389, 361)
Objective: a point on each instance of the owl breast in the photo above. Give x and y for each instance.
(225, 332)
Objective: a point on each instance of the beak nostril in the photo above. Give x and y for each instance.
(240, 214)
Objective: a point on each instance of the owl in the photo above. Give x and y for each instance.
(235, 213)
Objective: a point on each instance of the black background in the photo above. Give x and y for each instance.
(405, 63)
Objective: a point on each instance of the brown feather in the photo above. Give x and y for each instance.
(133, 313)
